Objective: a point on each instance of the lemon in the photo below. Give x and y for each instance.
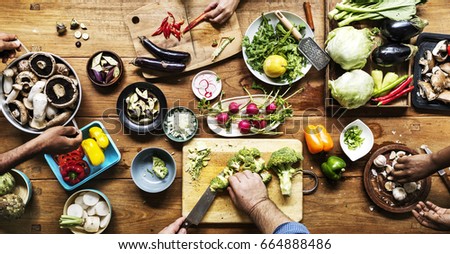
(274, 66)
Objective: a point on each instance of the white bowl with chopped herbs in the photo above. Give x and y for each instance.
(266, 37)
(180, 124)
(356, 140)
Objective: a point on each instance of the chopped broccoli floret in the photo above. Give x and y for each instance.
(259, 165)
(198, 159)
(281, 162)
(234, 163)
(218, 183)
(159, 167)
(265, 176)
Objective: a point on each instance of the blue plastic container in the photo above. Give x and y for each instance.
(112, 157)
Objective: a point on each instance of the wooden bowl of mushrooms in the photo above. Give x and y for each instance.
(39, 90)
(382, 188)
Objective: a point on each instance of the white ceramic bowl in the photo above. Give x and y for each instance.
(23, 185)
(365, 147)
(71, 200)
(253, 28)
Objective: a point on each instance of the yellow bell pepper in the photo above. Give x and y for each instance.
(318, 139)
(98, 134)
(93, 151)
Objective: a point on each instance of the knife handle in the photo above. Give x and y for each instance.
(444, 177)
(286, 23)
(308, 15)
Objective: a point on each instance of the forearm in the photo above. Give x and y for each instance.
(267, 216)
(18, 155)
(441, 158)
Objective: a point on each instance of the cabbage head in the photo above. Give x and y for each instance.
(350, 47)
(353, 89)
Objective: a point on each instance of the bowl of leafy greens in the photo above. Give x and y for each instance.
(356, 140)
(265, 38)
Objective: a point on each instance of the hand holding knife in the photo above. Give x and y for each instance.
(441, 172)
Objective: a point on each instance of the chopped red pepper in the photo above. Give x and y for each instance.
(167, 28)
(72, 167)
(195, 22)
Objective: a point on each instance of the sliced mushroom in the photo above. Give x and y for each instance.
(427, 61)
(61, 91)
(14, 93)
(18, 111)
(438, 80)
(445, 67)
(39, 104)
(444, 96)
(59, 119)
(42, 64)
(143, 95)
(440, 51)
(427, 90)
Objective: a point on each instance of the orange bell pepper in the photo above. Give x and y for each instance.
(318, 139)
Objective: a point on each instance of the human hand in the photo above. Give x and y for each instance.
(432, 216)
(247, 191)
(60, 140)
(8, 46)
(221, 10)
(413, 168)
(174, 228)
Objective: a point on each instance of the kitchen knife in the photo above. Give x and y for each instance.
(196, 215)
(441, 172)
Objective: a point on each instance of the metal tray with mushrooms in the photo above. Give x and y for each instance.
(39, 90)
(381, 187)
(432, 72)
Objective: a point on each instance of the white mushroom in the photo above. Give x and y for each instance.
(438, 79)
(39, 105)
(392, 155)
(389, 186)
(440, 51)
(7, 85)
(8, 73)
(23, 65)
(399, 193)
(27, 103)
(445, 67)
(51, 111)
(18, 111)
(380, 161)
(14, 93)
(410, 187)
(401, 154)
(37, 88)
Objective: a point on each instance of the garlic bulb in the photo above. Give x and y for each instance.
(380, 161)
(399, 193)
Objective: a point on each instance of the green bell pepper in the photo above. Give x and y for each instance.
(333, 167)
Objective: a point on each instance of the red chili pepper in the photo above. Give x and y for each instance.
(398, 89)
(166, 30)
(195, 22)
(175, 32)
(178, 25)
(404, 91)
(448, 49)
(161, 27)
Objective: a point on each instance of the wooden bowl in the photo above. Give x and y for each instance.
(111, 82)
(384, 199)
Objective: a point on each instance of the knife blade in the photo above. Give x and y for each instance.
(196, 214)
(441, 172)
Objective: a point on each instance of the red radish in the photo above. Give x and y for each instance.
(244, 126)
(259, 124)
(272, 107)
(252, 109)
(222, 118)
(233, 108)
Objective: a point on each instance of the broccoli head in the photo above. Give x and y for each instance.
(159, 168)
(281, 162)
(219, 183)
(259, 165)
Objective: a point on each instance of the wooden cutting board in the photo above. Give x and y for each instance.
(222, 209)
(198, 41)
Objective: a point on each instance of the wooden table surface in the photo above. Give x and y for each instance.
(343, 207)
